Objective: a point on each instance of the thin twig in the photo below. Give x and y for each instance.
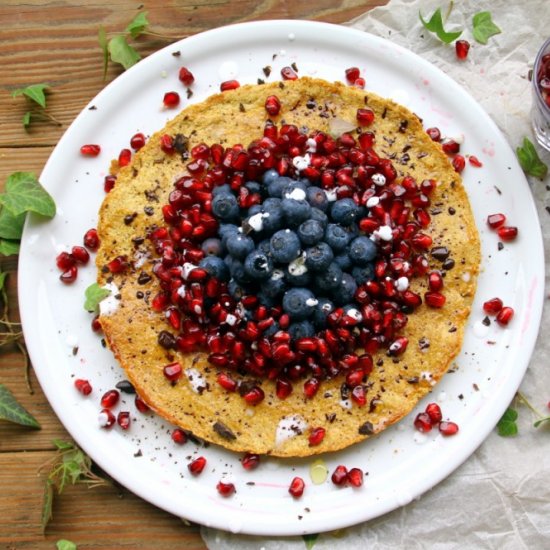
(525, 401)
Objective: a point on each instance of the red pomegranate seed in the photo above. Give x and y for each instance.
(173, 371)
(459, 163)
(250, 461)
(90, 150)
(423, 422)
(288, 73)
(91, 239)
(365, 117)
(178, 436)
(492, 306)
(83, 386)
(167, 144)
(225, 489)
(123, 419)
(110, 399)
(254, 396)
(118, 264)
(272, 105)
(359, 395)
(141, 406)
(359, 83)
(352, 74)
(434, 299)
(229, 85)
(197, 465)
(434, 134)
(80, 254)
(316, 436)
(297, 487)
(504, 316)
(226, 381)
(65, 261)
(355, 477)
(311, 387)
(283, 388)
(398, 346)
(186, 76)
(137, 141)
(124, 157)
(474, 161)
(494, 221)
(69, 276)
(109, 183)
(340, 476)
(450, 146)
(507, 233)
(448, 428)
(435, 281)
(461, 49)
(106, 419)
(433, 410)
(171, 100)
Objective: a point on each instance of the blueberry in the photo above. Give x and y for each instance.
(344, 292)
(225, 207)
(329, 278)
(362, 274)
(227, 229)
(273, 221)
(239, 245)
(235, 290)
(275, 285)
(362, 250)
(310, 232)
(299, 303)
(344, 211)
(319, 257)
(302, 329)
(253, 186)
(216, 267)
(212, 247)
(297, 277)
(285, 246)
(270, 176)
(317, 198)
(276, 186)
(258, 265)
(239, 273)
(336, 237)
(263, 246)
(274, 328)
(343, 260)
(254, 209)
(319, 216)
(221, 190)
(321, 311)
(295, 211)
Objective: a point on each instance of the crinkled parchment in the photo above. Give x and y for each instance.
(500, 498)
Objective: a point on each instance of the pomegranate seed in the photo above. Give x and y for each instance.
(398, 346)
(310, 387)
(297, 487)
(459, 162)
(65, 261)
(83, 386)
(450, 146)
(359, 395)
(178, 436)
(250, 461)
(186, 76)
(448, 428)
(110, 399)
(124, 157)
(494, 221)
(461, 48)
(225, 489)
(69, 276)
(288, 73)
(507, 233)
(167, 144)
(137, 141)
(504, 316)
(434, 134)
(316, 436)
(474, 161)
(80, 254)
(340, 475)
(355, 477)
(197, 465)
(272, 105)
(229, 85)
(433, 410)
(109, 183)
(423, 422)
(359, 83)
(118, 264)
(434, 299)
(171, 100)
(492, 306)
(141, 406)
(283, 388)
(352, 74)
(365, 117)
(173, 371)
(435, 281)
(254, 396)
(106, 419)
(226, 382)
(91, 239)
(90, 150)
(123, 419)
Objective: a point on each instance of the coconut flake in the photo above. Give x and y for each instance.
(277, 274)
(402, 284)
(297, 193)
(378, 179)
(311, 146)
(355, 314)
(312, 302)
(338, 126)
(289, 426)
(196, 379)
(256, 221)
(373, 201)
(383, 233)
(187, 268)
(298, 266)
(230, 319)
(331, 195)
(110, 303)
(301, 163)
(140, 258)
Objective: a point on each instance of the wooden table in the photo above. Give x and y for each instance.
(56, 42)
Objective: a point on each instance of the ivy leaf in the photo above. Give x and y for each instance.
(11, 227)
(310, 540)
(62, 445)
(94, 294)
(26, 119)
(102, 37)
(34, 93)
(435, 25)
(138, 24)
(530, 160)
(11, 410)
(24, 193)
(484, 27)
(121, 52)
(47, 503)
(64, 544)
(541, 421)
(507, 424)
(9, 248)
(3, 276)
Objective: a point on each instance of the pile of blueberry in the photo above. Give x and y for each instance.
(300, 248)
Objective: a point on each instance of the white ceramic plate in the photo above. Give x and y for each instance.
(402, 463)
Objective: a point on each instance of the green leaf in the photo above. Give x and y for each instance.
(64, 544)
(507, 424)
(11, 227)
(3, 276)
(484, 27)
(11, 410)
(47, 502)
(34, 93)
(24, 193)
(310, 540)
(94, 294)
(63, 445)
(26, 119)
(9, 248)
(530, 160)
(138, 24)
(102, 37)
(542, 421)
(121, 52)
(435, 25)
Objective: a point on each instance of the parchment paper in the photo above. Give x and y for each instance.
(500, 498)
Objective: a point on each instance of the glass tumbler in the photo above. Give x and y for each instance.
(540, 83)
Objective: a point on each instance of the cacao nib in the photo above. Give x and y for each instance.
(125, 386)
(366, 429)
(166, 339)
(440, 253)
(223, 431)
(448, 264)
(143, 278)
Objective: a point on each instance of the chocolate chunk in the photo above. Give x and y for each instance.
(403, 126)
(138, 240)
(143, 278)
(166, 339)
(149, 210)
(500, 245)
(413, 380)
(267, 70)
(241, 108)
(448, 264)
(423, 343)
(451, 211)
(180, 143)
(486, 321)
(366, 429)
(330, 417)
(440, 253)
(125, 386)
(129, 218)
(223, 431)
(311, 104)
(294, 66)
(344, 391)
